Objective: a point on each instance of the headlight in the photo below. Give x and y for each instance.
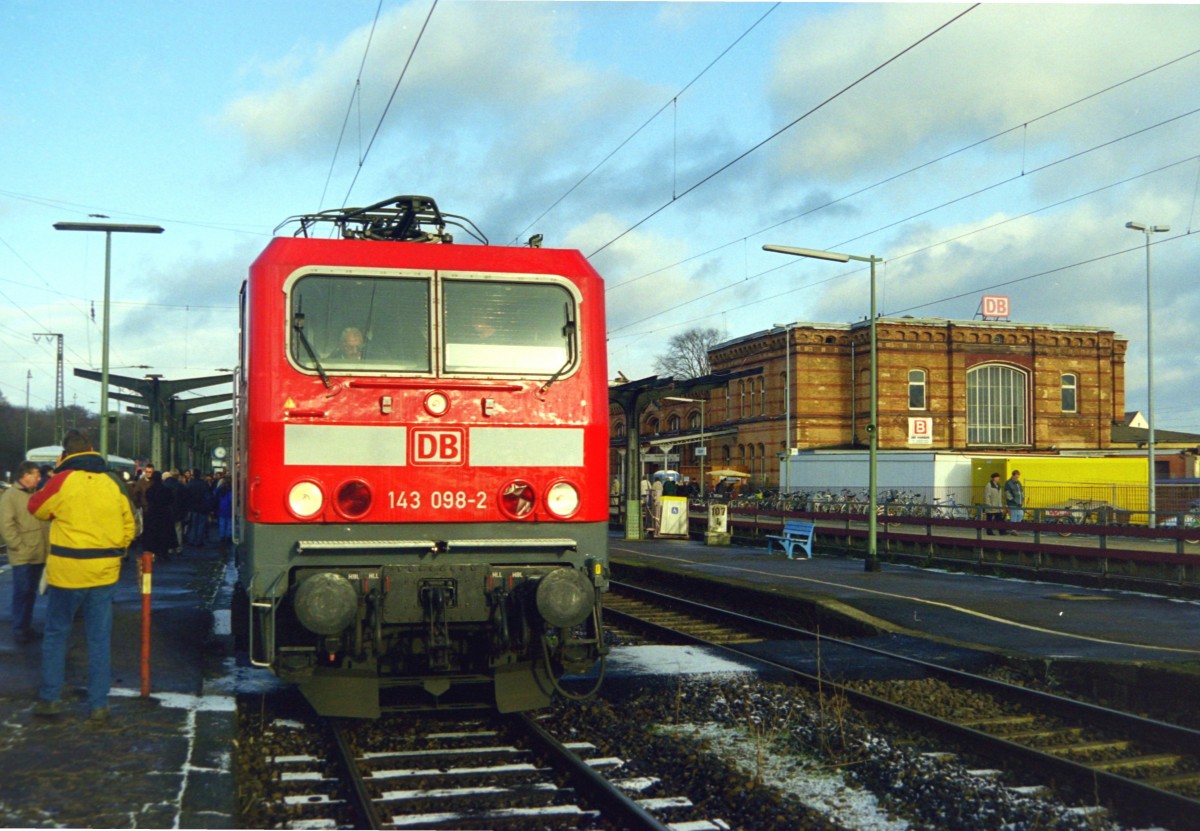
(305, 499)
(562, 499)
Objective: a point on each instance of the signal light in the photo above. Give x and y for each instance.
(517, 499)
(305, 499)
(562, 499)
(353, 499)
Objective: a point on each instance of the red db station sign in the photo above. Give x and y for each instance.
(995, 305)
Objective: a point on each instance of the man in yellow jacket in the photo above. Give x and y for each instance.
(92, 525)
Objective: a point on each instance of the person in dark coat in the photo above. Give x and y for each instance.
(158, 524)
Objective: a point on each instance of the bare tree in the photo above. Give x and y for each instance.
(687, 354)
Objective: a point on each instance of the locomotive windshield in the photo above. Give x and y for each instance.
(367, 323)
(342, 323)
(503, 328)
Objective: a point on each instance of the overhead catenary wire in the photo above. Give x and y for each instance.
(672, 102)
(786, 127)
(943, 157)
(356, 95)
(614, 332)
(379, 125)
(954, 200)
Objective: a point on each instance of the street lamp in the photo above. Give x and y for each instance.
(872, 561)
(703, 446)
(109, 228)
(787, 404)
(1151, 506)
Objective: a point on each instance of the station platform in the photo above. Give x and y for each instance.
(1052, 623)
(163, 761)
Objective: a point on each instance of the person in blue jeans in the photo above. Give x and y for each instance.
(92, 525)
(1014, 497)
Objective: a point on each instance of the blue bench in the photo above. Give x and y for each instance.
(796, 532)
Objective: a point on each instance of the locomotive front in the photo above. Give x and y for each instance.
(421, 468)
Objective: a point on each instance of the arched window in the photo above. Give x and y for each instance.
(916, 389)
(620, 431)
(997, 412)
(741, 399)
(1070, 393)
(673, 424)
(651, 425)
(694, 420)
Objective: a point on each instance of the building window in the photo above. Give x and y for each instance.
(1070, 393)
(620, 429)
(916, 389)
(694, 421)
(673, 424)
(762, 396)
(996, 405)
(741, 399)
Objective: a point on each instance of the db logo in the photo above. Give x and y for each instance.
(441, 446)
(995, 305)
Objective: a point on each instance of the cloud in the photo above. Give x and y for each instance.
(998, 67)
(477, 65)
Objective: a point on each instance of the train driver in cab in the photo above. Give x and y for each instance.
(350, 347)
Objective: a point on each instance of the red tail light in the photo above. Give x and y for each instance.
(517, 499)
(353, 499)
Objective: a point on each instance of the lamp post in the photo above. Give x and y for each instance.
(1151, 506)
(699, 401)
(872, 560)
(109, 228)
(787, 404)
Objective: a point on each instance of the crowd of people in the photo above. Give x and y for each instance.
(178, 509)
(69, 528)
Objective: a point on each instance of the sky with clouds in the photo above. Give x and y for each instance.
(997, 149)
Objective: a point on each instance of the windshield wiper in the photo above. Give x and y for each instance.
(298, 328)
(568, 331)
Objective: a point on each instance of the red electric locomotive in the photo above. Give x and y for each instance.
(421, 464)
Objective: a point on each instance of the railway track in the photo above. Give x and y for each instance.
(487, 772)
(1147, 770)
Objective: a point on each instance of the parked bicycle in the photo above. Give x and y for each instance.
(1078, 512)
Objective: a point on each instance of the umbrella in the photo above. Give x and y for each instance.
(736, 474)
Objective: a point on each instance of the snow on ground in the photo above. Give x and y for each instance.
(826, 792)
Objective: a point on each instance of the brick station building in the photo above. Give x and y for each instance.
(974, 386)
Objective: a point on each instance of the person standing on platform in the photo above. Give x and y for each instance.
(1014, 497)
(993, 506)
(28, 540)
(158, 527)
(656, 495)
(92, 526)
